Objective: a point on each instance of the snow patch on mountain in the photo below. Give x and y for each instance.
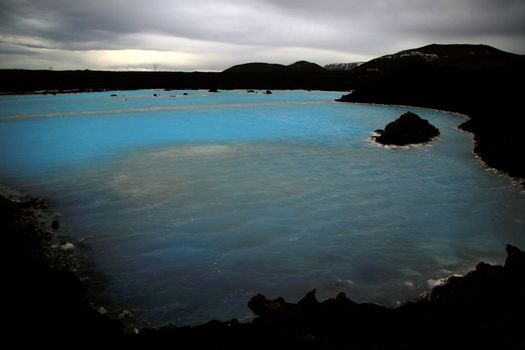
(342, 66)
(412, 53)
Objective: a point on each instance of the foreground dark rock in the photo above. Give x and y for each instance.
(407, 129)
(483, 309)
(47, 306)
(46, 303)
(479, 310)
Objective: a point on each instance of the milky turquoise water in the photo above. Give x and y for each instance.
(192, 204)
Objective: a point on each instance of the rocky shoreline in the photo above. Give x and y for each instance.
(47, 302)
(483, 309)
(495, 114)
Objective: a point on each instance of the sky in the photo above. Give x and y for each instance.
(212, 35)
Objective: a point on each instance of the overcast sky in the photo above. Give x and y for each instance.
(208, 35)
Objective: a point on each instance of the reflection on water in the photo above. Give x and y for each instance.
(192, 212)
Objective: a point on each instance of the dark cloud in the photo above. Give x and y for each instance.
(9, 49)
(359, 27)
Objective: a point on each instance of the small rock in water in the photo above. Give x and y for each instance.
(433, 283)
(67, 247)
(55, 225)
(407, 129)
(102, 310)
(125, 314)
(409, 284)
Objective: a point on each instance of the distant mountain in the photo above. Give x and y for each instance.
(258, 67)
(458, 56)
(342, 66)
(304, 66)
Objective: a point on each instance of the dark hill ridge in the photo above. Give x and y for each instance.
(478, 57)
(263, 76)
(258, 67)
(305, 66)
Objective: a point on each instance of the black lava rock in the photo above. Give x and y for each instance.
(407, 129)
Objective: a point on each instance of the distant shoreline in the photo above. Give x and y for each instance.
(30, 81)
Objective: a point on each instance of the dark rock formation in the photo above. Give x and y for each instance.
(46, 304)
(213, 90)
(258, 67)
(482, 309)
(268, 92)
(407, 129)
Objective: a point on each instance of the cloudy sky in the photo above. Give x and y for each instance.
(209, 35)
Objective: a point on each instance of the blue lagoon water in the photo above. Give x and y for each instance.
(192, 204)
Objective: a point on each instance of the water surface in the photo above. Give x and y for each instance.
(193, 204)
